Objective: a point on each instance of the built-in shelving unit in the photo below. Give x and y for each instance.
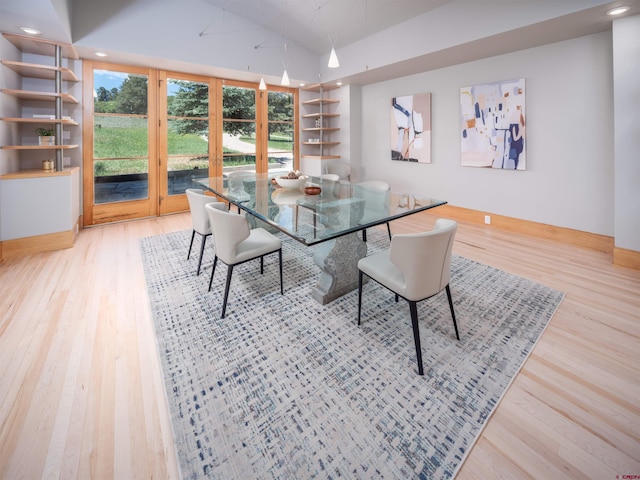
(319, 130)
(51, 93)
(40, 208)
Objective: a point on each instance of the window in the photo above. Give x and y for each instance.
(281, 121)
(120, 128)
(238, 128)
(187, 133)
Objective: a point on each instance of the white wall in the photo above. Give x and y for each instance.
(38, 206)
(626, 73)
(569, 181)
(9, 107)
(434, 32)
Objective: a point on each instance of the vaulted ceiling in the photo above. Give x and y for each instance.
(245, 39)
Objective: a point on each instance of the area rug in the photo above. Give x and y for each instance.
(286, 388)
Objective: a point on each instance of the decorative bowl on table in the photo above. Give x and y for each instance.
(312, 190)
(285, 182)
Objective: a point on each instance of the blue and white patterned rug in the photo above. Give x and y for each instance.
(286, 388)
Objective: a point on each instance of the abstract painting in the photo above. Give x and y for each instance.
(493, 125)
(411, 128)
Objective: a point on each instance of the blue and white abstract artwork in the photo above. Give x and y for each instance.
(411, 128)
(492, 130)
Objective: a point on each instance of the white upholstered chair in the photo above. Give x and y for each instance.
(370, 191)
(416, 266)
(199, 219)
(330, 183)
(343, 170)
(235, 181)
(332, 177)
(236, 243)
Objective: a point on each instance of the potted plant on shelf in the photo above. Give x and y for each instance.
(46, 136)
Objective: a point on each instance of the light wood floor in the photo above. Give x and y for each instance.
(81, 393)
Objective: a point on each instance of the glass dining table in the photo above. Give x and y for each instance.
(329, 219)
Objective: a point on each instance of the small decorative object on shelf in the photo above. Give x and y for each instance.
(46, 136)
(48, 165)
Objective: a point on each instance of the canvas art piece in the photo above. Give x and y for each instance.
(493, 125)
(411, 128)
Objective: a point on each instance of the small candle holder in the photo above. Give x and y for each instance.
(48, 165)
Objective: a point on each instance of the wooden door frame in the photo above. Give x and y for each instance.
(178, 203)
(157, 142)
(112, 212)
(262, 123)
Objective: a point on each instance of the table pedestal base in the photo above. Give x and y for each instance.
(338, 262)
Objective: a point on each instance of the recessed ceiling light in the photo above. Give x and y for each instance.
(101, 54)
(618, 10)
(338, 83)
(30, 31)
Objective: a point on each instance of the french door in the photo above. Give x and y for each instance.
(186, 132)
(120, 117)
(147, 134)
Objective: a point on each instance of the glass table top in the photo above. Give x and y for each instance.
(339, 208)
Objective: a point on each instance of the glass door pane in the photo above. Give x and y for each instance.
(187, 134)
(238, 128)
(281, 114)
(120, 137)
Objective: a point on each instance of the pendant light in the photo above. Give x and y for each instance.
(333, 59)
(285, 76)
(285, 79)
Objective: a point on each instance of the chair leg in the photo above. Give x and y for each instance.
(202, 243)
(213, 270)
(193, 234)
(389, 230)
(455, 325)
(280, 261)
(226, 289)
(416, 335)
(364, 235)
(261, 265)
(359, 294)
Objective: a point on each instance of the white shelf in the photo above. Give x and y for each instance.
(321, 113)
(35, 70)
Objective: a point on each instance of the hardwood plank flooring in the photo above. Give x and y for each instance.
(82, 393)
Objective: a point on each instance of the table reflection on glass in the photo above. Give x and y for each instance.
(330, 219)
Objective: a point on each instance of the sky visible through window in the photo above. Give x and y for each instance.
(110, 79)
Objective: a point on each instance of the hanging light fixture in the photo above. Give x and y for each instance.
(285, 76)
(285, 79)
(263, 86)
(333, 59)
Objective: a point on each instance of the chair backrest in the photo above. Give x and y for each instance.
(330, 176)
(229, 230)
(370, 191)
(341, 169)
(197, 200)
(424, 259)
(375, 184)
